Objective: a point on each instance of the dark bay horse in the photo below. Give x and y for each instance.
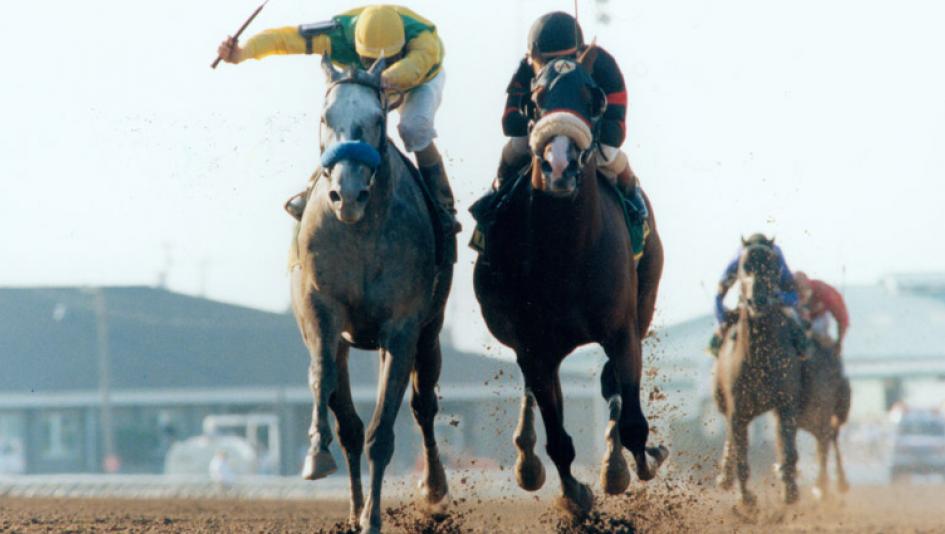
(825, 395)
(557, 272)
(366, 277)
(758, 370)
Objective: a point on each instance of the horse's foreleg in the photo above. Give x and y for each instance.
(614, 473)
(738, 438)
(842, 484)
(398, 360)
(424, 403)
(625, 353)
(321, 335)
(787, 440)
(350, 430)
(726, 478)
(529, 473)
(543, 382)
(823, 479)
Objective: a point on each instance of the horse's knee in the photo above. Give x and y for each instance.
(608, 381)
(351, 434)
(424, 405)
(380, 446)
(561, 451)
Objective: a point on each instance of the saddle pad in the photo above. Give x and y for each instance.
(485, 209)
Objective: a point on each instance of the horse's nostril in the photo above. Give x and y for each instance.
(335, 196)
(363, 195)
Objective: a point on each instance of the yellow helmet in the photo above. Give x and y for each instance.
(379, 32)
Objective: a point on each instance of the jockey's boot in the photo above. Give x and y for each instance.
(630, 187)
(295, 206)
(439, 185)
(715, 343)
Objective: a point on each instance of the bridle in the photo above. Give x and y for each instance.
(751, 304)
(358, 150)
(546, 80)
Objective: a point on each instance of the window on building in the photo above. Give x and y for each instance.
(60, 435)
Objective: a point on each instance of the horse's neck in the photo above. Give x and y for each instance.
(567, 226)
(385, 181)
(763, 335)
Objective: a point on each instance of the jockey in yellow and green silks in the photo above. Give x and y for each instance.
(414, 53)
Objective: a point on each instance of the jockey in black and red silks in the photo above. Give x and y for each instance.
(557, 35)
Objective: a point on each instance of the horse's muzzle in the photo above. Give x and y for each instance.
(349, 207)
(564, 185)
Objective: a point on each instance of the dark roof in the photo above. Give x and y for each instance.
(161, 339)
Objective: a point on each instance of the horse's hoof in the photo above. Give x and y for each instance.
(578, 502)
(318, 465)
(749, 501)
(652, 460)
(529, 473)
(843, 486)
(614, 474)
(370, 530)
(791, 493)
(725, 481)
(818, 493)
(437, 508)
(434, 486)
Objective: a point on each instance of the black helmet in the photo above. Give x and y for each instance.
(757, 239)
(553, 35)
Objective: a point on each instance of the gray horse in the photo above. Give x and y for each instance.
(758, 370)
(366, 277)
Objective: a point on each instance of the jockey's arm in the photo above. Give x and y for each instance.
(786, 282)
(833, 301)
(607, 74)
(725, 283)
(423, 55)
(282, 41)
(514, 121)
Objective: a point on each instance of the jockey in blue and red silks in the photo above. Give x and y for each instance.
(558, 35)
(787, 294)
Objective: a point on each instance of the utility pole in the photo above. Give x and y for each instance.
(110, 460)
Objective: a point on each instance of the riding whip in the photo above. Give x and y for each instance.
(239, 32)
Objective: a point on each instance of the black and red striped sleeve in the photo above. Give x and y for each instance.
(514, 122)
(607, 74)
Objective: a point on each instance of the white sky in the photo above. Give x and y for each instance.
(819, 122)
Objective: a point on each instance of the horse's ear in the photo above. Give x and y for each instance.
(772, 241)
(588, 57)
(378, 66)
(331, 73)
(744, 241)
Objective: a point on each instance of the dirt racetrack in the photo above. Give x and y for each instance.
(658, 508)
